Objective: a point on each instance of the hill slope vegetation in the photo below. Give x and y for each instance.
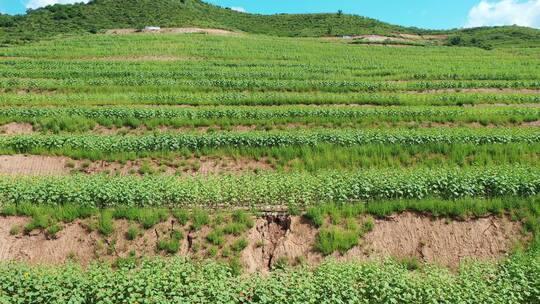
(107, 14)
(99, 15)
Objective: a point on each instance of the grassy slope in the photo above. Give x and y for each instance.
(258, 70)
(492, 37)
(106, 14)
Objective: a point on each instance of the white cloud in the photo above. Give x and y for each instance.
(238, 9)
(505, 12)
(33, 4)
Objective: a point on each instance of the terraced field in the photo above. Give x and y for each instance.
(264, 153)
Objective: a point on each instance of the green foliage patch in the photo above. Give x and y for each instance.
(268, 189)
(177, 279)
(175, 142)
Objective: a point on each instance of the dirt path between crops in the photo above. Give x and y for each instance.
(33, 165)
(476, 90)
(179, 166)
(180, 30)
(141, 58)
(438, 240)
(15, 128)
(273, 239)
(59, 165)
(25, 129)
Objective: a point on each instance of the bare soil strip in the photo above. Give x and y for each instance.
(141, 58)
(181, 30)
(25, 129)
(141, 130)
(274, 238)
(16, 128)
(476, 90)
(33, 165)
(407, 235)
(57, 165)
(179, 166)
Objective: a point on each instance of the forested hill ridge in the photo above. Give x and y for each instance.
(99, 15)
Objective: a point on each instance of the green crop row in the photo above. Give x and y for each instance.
(257, 85)
(257, 57)
(393, 113)
(86, 119)
(188, 69)
(157, 95)
(331, 157)
(269, 189)
(150, 66)
(178, 280)
(307, 158)
(174, 142)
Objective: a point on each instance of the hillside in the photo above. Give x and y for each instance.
(99, 15)
(227, 167)
(106, 14)
(492, 37)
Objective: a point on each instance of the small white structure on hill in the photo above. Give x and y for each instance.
(152, 28)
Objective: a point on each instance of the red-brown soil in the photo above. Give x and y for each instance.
(274, 238)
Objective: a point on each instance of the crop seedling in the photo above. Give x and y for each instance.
(132, 233)
(216, 237)
(53, 230)
(199, 218)
(14, 230)
(239, 245)
(105, 223)
(181, 215)
(335, 239)
(171, 246)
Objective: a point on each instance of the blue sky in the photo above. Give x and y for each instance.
(434, 14)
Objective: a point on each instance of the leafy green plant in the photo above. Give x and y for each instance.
(316, 216)
(149, 218)
(181, 215)
(39, 221)
(177, 235)
(234, 228)
(212, 251)
(335, 239)
(517, 275)
(53, 230)
(216, 237)
(239, 245)
(105, 223)
(411, 263)
(169, 142)
(9, 210)
(368, 225)
(253, 190)
(294, 210)
(199, 218)
(243, 218)
(129, 262)
(281, 263)
(171, 246)
(132, 233)
(14, 230)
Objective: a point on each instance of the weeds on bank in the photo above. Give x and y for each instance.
(339, 231)
(341, 225)
(170, 245)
